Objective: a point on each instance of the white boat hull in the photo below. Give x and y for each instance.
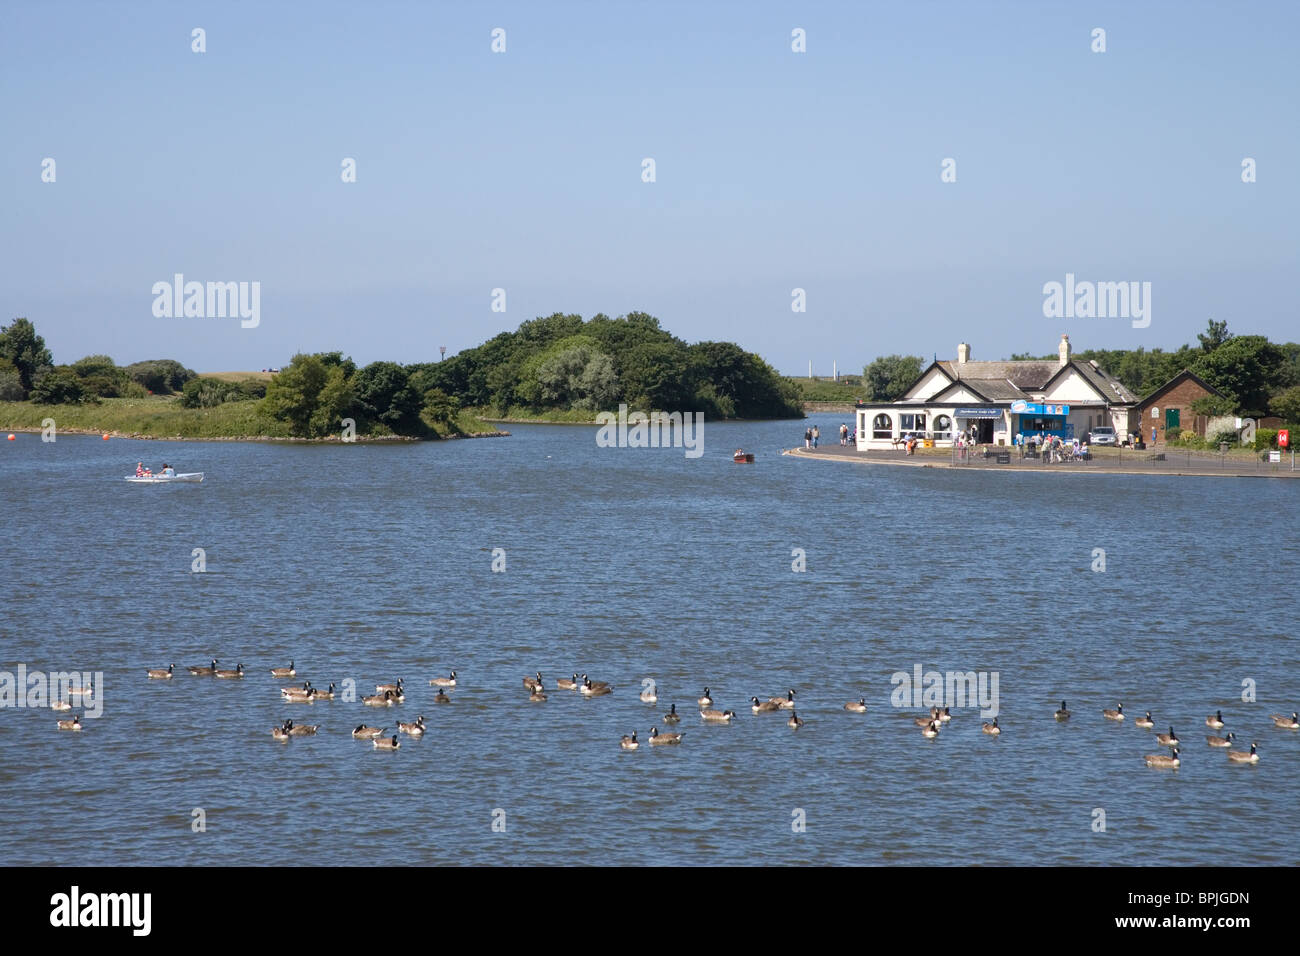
(194, 476)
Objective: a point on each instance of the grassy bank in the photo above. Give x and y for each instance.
(820, 390)
(160, 417)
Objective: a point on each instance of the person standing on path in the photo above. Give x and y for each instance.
(807, 438)
(817, 434)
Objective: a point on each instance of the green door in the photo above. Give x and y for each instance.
(1171, 417)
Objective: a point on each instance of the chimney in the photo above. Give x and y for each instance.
(963, 353)
(1064, 350)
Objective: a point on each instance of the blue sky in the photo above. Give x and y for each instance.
(522, 171)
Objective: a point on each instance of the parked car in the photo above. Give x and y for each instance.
(1102, 435)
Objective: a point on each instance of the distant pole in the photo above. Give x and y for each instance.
(442, 349)
(835, 370)
(810, 368)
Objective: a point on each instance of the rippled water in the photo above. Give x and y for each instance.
(373, 562)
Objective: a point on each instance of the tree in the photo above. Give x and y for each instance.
(1286, 405)
(293, 395)
(160, 376)
(1247, 368)
(11, 386)
(58, 386)
(384, 394)
(1215, 335)
(20, 344)
(579, 377)
(890, 376)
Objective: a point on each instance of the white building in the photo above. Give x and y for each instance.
(997, 400)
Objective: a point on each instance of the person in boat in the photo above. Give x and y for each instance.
(139, 469)
(168, 471)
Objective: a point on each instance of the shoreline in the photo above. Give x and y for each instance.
(1095, 467)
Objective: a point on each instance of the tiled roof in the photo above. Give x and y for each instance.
(1027, 376)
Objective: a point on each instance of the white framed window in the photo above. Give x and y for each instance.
(911, 422)
(882, 426)
(942, 428)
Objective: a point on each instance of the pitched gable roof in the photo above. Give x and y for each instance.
(1182, 376)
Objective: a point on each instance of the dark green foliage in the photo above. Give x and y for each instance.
(160, 376)
(59, 386)
(888, 377)
(25, 350)
(210, 392)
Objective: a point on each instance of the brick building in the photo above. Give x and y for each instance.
(1170, 406)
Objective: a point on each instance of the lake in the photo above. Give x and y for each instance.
(370, 562)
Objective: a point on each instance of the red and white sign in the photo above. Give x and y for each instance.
(1283, 438)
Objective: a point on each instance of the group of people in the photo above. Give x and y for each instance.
(1052, 448)
(142, 472)
(812, 435)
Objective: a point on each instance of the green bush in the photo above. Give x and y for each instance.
(1174, 433)
(210, 392)
(160, 376)
(59, 386)
(1229, 436)
(11, 383)
(1265, 438)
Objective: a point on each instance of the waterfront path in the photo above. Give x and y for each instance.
(1108, 461)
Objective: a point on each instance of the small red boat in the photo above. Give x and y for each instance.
(742, 457)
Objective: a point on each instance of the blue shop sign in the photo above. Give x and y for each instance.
(987, 411)
(1033, 408)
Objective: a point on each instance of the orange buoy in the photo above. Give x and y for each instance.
(11, 437)
(105, 436)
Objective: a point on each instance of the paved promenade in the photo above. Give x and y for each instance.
(1107, 461)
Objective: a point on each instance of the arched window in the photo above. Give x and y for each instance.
(882, 427)
(942, 428)
(1155, 413)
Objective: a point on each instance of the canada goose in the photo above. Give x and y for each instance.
(444, 681)
(532, 683)
(284, 671)
(935, 712)
(596, 690)
(786, 702)
(1063, 713)
(764, 707)
(441, 697)
(387, 743)
(379, 700)
(718, 716)
(629, 743)
(1214, 741)
(1146, 723)
(60, 705)
(993, 729)
(297, 693)
(1240, 756)
(672, 717)
(1116, 714)
(1286, 723)
(856, 706)
(414, 727)
(318, 694)
(395, 687)
(538, 695)
(198, 670)
(795, 721)
(931, 730)
(162, 673)
(1168, 740)
(923, 721)
(301, 730)
(229, 674)
(664, 738)
(945, 716)
(367, 733)
(1161, 760)
(73, 724)
(79, 691)
(648, 696)
(1215, 722)
(585, 680)
(705, 700)
(566, 683)
(281, 732)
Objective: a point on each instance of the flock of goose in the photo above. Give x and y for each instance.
(390, 694)
(1173, 759)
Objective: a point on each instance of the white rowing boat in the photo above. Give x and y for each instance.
(165, 479)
